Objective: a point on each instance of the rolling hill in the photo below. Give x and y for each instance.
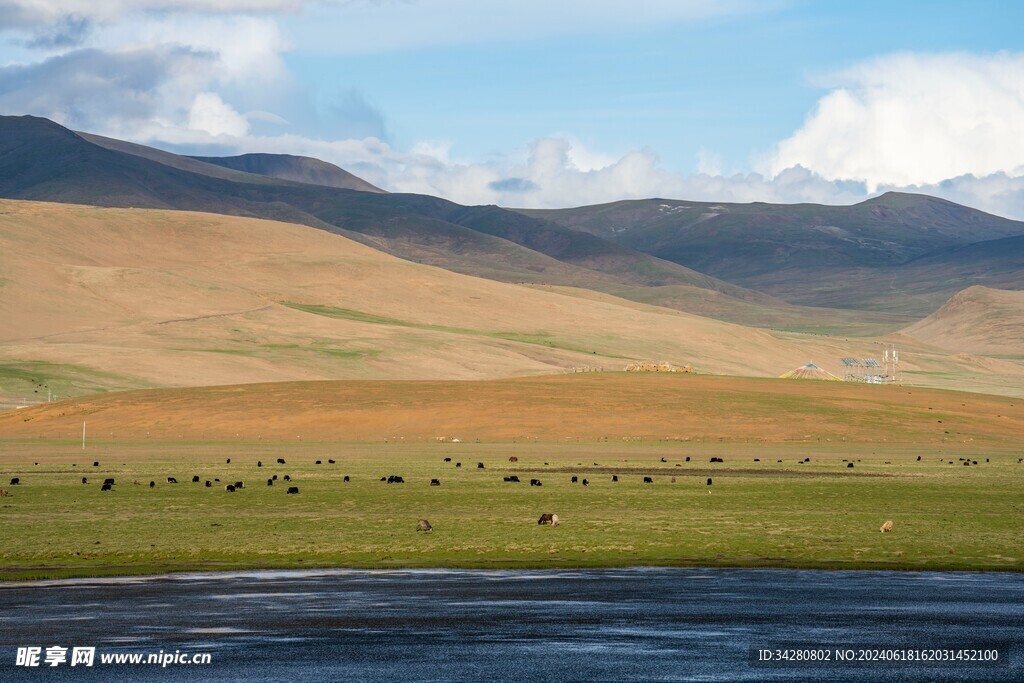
(94, 299)
(43, 161)
(862, 270)
(977, 320)
(552, 409)
(139, 297)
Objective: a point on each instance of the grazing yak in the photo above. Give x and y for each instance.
(270, 482)
(280, 461)
(424, 525)
(228, 461)
(664, 460)
(293, 489)
(849, 465)
(709, 481)
(152, 484)
(548, 518)
(330, 462)
(514, 478)
(96, 463)
(346, 479)
(229, 488)
(259, 463)
(513, 459)
(4, 493)
(435, 482)
(172, 480)
(319, 462)
(535, 482)
(239, 485)
(687, 458)
(574, 480)
(586, 483)
(106, 487)
(85, 480)
(287, 477)
(108, 481)
(395, 479)
(447, 459)
(208, 484)
(887, 527)
(195, 479)
(615, 477)
(458, 464)
(479, 465)
(15, 481)
(648, 480)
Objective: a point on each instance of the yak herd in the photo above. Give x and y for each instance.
(424, 525)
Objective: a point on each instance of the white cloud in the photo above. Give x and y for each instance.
(548, 178)
(210, 114)
(111, 93)
(915, 119)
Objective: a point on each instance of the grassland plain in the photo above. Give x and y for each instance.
(765, 507)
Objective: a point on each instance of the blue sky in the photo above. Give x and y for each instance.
(729, 85)
(542, 103)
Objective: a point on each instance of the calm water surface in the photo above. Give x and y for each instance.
(423, 625)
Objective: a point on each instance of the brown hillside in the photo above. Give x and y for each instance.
(552, 408)
(976, 320)
(157, 298)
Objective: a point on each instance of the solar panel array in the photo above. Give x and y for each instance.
(851, 362)
(871, 363)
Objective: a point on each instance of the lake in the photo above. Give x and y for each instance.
(643, 624)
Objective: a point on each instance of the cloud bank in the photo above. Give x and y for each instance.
(915, 119)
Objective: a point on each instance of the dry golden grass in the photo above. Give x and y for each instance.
(589, 407)
(978, 320)
(96, 299)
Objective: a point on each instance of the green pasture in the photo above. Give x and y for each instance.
(817, 514)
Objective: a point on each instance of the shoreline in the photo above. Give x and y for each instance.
(10, 578)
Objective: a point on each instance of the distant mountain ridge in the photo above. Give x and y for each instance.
(897, 252)
(288, 167)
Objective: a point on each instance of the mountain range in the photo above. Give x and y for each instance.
(893, 258)
(246, 268)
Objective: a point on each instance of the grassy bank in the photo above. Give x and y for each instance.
(756, 513)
